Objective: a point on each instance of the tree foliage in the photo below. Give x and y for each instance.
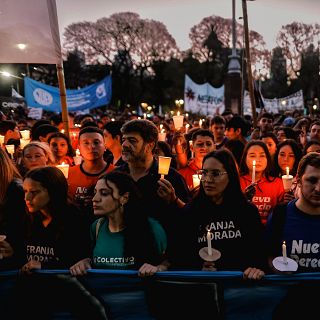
(294, 39)
(145, 41)
(223, 29)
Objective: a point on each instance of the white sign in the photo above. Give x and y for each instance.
(203, 98)
(35, 113)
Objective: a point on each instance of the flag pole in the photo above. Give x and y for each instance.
(63, 98)
(249, 71)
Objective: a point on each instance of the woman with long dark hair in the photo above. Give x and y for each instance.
(123, 237)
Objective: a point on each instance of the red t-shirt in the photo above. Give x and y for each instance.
(268, 194)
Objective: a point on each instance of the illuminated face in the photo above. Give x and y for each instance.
(91, 146)
(35, 195)
(106, 198)
(286, 158)
(214, 184)
(34, 157)
(134, 149)
(202, 146)
(232, 134)
(59, 147)
(218, 130)
(314, 148)
(271, 145)
(256, 153)
(315, 132)
(310, 186)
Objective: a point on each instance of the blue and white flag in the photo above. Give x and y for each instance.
(39, 95)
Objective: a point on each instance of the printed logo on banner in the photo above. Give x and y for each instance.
(43, 97)
(101, 91)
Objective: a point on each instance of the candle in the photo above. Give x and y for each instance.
(162, 135)
(191, 148)
(24, 142)
(1, 140)
(161, 126)
(253, 171)
(25, 134)
(200, 123)
(284, 252)
(74, 135)
(112, 119)
(196, 180)
(187, 127)
(64, 168)
(10, 149)
(164, 165)
(62, 131)
(287, 171)
(77, 159)
(144, 116)
(187, 115)
(209, 242)
(178, 121)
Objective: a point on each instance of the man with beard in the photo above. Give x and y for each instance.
(298, 224)
(139, 140)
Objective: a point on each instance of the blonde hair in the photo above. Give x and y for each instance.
(46, 149)
(8, 172)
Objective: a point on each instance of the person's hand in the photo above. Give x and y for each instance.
(250, 191)
(147, 270)
(208, 266)
(288, 196)
(6, 250)
(166, 191)
(81, 267)
(253, 274)
(29, 266)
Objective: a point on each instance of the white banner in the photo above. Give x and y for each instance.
(35, 113)
(203, 98)
(29, 32)
(276, 105)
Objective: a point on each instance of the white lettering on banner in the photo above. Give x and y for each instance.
(81, 190)
(41, 253)
(43, 97)
(115, 260)
(222, 230)
(300, 247)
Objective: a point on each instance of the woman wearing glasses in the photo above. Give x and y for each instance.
(221, 211)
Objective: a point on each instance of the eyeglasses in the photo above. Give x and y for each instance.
(266, 120)
(205, 175)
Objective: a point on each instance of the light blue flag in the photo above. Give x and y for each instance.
(39, 95)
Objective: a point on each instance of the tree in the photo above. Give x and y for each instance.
(294, 39)
(145, 41)
(222, 28)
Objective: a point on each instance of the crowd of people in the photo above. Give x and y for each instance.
(224, 203)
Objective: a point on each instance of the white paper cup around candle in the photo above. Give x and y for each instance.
(25, 134)
(287, 181)
(178, 121)
(1, 140)
(10, 148)
(77, 159)
(162, 136)
(64, 168)
(164, 165)
(24, 142)
(195, 180)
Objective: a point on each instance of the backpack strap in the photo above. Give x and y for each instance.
(99, 222)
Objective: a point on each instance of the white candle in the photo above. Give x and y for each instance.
(161, 126)
(253, 171)
(162, 135)
(25, 134)
(187, 127)
(284, 252)
(287, 171)
(196, 180)
(74, 135)
(209, 243)
(64, 168)
(191, 145)
(62, 131)
(1, 140)
(187, 115)
(200, 123)
(144, 116)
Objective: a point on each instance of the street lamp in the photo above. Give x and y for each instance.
(179, 102)
(9, 75)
